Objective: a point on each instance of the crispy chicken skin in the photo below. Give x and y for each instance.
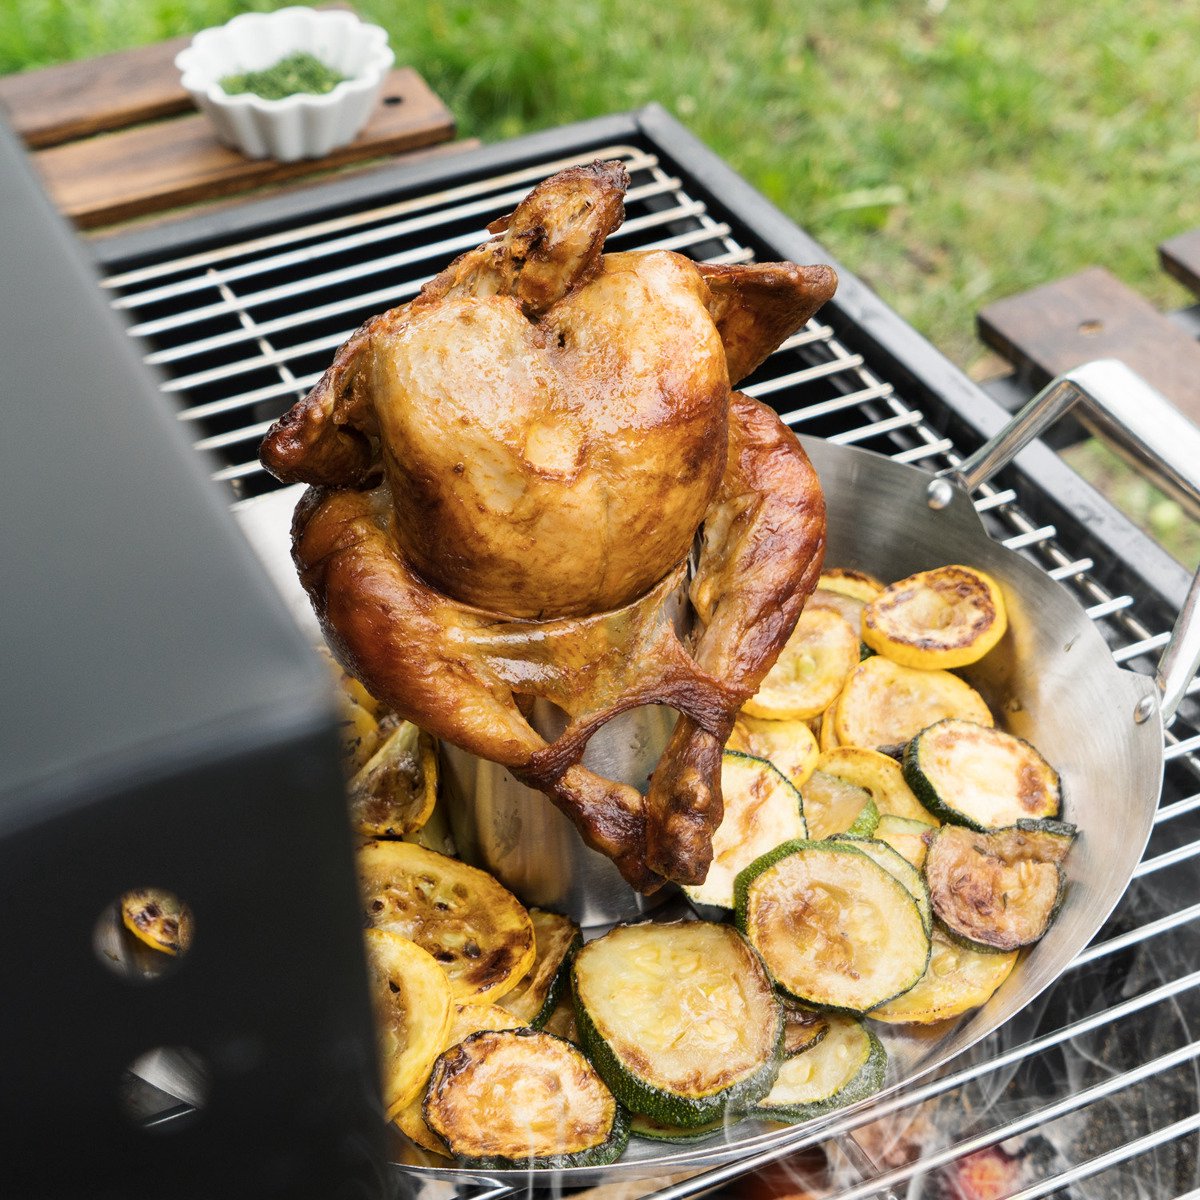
(509, 473)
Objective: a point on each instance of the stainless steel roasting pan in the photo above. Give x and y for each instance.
(1052, 680)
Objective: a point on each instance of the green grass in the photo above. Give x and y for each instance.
(950, 151)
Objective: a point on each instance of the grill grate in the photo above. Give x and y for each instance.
(242, 329)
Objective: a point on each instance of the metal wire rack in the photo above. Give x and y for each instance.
(242, 329)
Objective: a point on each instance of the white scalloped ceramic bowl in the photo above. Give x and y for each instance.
(300, 126)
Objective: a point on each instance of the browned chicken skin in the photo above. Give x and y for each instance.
(510, 472)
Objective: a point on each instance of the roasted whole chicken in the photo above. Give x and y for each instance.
(508, 476)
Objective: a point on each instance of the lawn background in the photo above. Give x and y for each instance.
(949, 151)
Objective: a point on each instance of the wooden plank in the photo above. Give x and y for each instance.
(184, 213)
(57, 104)
(1180, 258)
(151, 167)
(1092, 315)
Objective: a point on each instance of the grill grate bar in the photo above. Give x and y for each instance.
(930, 1091)
(634, 159)
(1035, 537)
(1180, 808)
(1169, 858)
(807, 375)
(1171, 921)
(829, 407)
(1112, 1158)
(904, 420)
(918, 453)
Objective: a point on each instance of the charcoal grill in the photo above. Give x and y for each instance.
(1092, 1092)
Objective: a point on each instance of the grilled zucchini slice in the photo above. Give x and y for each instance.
(886, 704)
(845, 582)
(896, 864)
(810, 670)
(907, 838)
(958, 979)
(832, 805)
(679, 1018)
(654, 1131)
(411, 996)
(762, 809)
(803, 1028)
(788, 745)
(881, 775)
(980, 777)
(537, 995)
(159, 919)
(996, 890)
(478, 931)
(523, 1098)
(396, 789)
(834, 928)
(561, 1022)
(938, 619)
(465, 1020)
(849, 1065)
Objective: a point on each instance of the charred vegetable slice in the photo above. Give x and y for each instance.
(881, 775)
(413, 1009)
(832, 805)
(846, 582)
(788, 745)
(886, 704)
(998, 890)
(523, 1098)
(537, 995)
(834, 928)
(680, 1019)
(803, 1028)
(396, 789)
(941, 619)
(907, 838)
(847, 1066)
(465, 1020)
(478, 931)
(159, 919)
(810, 670)
(980, 777)
(896, 864)
(762, 809)
(957, 979)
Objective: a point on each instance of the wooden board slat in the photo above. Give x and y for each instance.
(1180, 258)
(1092, 315)
(169, 163)
(57, 104)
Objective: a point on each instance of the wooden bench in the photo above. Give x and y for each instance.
(116, 137)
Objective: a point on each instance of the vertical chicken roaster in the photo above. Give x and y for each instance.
(507, 477)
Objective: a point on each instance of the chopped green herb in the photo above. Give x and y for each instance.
(298, 73)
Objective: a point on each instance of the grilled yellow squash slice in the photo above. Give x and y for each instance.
(810, 670)
(395, 791)
(159, 919)
(940, 619)
(834, 928)
(522, 1098)
(680, 1019)
(881, 776)
(957, 979)
(845, 582)
(762, 809)
(848, 1065)
(827, 737)
(478, 931)
(535, 998)
(886, 704)
(466, 1020)
(788, 745)
(411, 996)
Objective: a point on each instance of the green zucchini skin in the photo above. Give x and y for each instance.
(561, 981)
(668, 1108)
(866, 1083)
(865, 824)
(642, 1127)
(926, 790)
(599, 1155)
(745, 881)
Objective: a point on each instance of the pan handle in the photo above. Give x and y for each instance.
(1124, 409)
